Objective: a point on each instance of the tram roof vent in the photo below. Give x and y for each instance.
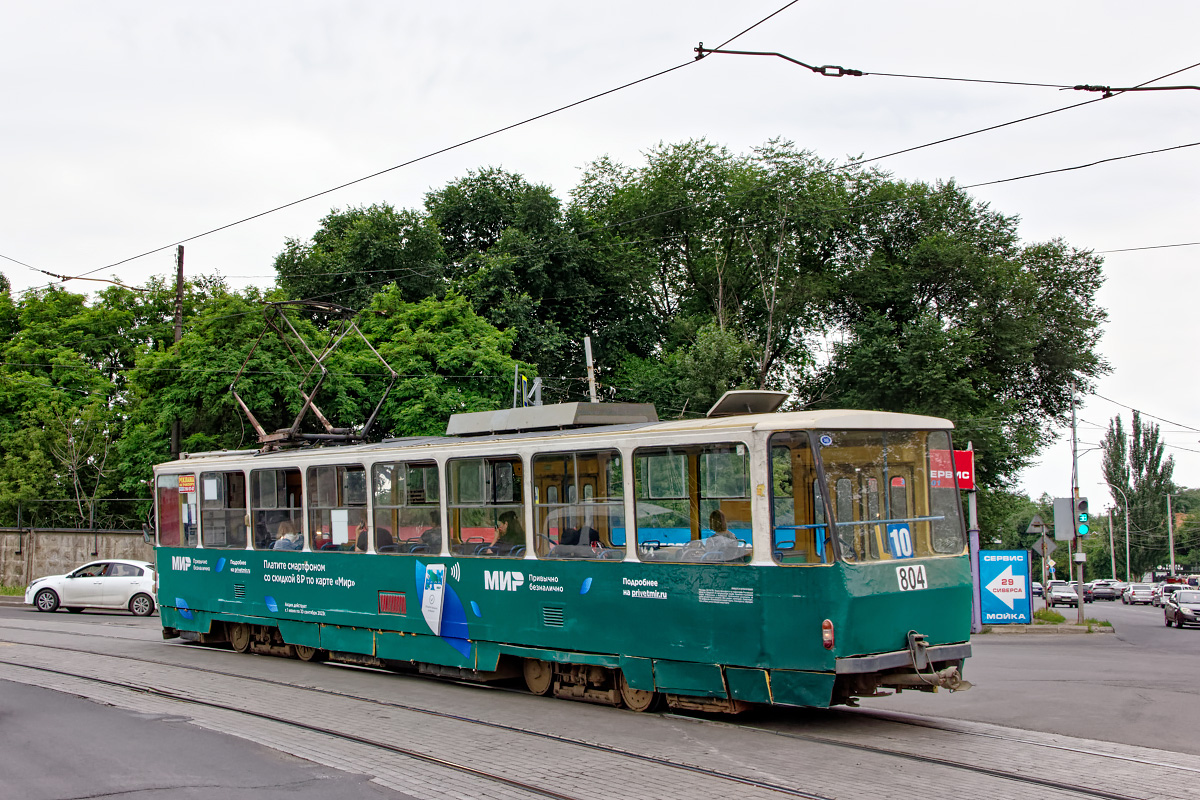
(747, 401)
(550, 417)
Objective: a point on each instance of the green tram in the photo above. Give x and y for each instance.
(801, 558)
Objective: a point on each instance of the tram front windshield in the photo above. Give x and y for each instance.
(891, 495)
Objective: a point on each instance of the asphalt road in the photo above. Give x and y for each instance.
(1129, 686)
(1137, 685)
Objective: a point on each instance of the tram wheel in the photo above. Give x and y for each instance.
(305, 653)
(239, 637)
(539, 676)
(639, 700)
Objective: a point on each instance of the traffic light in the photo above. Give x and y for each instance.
(1081, 516)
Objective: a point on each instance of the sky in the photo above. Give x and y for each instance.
(128, 127)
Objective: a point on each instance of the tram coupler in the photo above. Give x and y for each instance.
(949, 678)
(917, 645)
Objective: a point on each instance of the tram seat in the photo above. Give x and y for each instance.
(331, 546)
(389, 548)
(519, 550)
(419, 548)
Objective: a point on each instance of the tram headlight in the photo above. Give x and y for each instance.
(827, 634)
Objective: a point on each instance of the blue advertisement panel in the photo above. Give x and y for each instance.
(1004, 587)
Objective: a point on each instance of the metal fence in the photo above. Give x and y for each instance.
(113, 513)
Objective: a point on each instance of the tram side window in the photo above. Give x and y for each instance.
(945, 505)
(884, 504)
(223, 509)
(177, 510)
(337, 508)
(799, 534)
(579, 510)
(693, 503)
(407, 510)
(486, 506)
(275, 509)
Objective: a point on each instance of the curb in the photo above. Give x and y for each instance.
(12, 599)
(1009, 630)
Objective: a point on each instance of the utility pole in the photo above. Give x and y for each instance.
(1171, 534)
(176, 427)
(973, 550)
(591, 369)
(1112, 553)
(1074, 502)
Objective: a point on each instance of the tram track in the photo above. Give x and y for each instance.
(816, 739)
(593, 746)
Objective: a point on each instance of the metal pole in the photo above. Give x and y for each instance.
(176, 425)
(1171, 535)
(973, 544)
(1127, 540)
(1074, 499)
(1112, 553)
(587, 349)
(1126, 499)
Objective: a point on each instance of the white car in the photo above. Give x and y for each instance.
(113, 583)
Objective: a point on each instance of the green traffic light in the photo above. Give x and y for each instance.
(1083, 530)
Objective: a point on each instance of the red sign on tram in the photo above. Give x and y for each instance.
(942, 469)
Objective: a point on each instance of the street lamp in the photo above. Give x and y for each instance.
(1110, 547)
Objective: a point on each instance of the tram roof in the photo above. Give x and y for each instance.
(823, 419)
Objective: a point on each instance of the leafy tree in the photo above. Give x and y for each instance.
(357, 252)
(1136, 465)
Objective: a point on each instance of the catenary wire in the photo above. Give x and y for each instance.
(429, 155)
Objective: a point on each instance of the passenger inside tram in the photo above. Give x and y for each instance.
(287, 538)
(510, 533)
(431, 537)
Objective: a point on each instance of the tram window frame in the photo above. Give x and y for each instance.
(800, 531)
(222, 525)
(337, 507)
(570, 499)
(176, 523)
(390, 518)
(898, 523)
(272, 506)
(948, 536)
(493, 494)
(706, 502)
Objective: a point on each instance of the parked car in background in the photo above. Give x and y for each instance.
(1165, 590)
(1137, 593)
(1061, 593)
(1182, 607)
(113, 583)
(1037, 589)
(1105, 590)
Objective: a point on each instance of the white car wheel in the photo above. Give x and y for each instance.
(141, 605)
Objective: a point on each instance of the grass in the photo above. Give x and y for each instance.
(1048, 617)
(16, 591)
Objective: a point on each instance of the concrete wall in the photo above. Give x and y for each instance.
(32, 554)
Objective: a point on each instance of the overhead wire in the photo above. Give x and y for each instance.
(511, 126)
(429, 155)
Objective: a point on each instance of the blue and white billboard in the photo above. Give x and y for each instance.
(1004, 587)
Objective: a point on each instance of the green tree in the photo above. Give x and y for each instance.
(1137, 465)
(357, 252)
